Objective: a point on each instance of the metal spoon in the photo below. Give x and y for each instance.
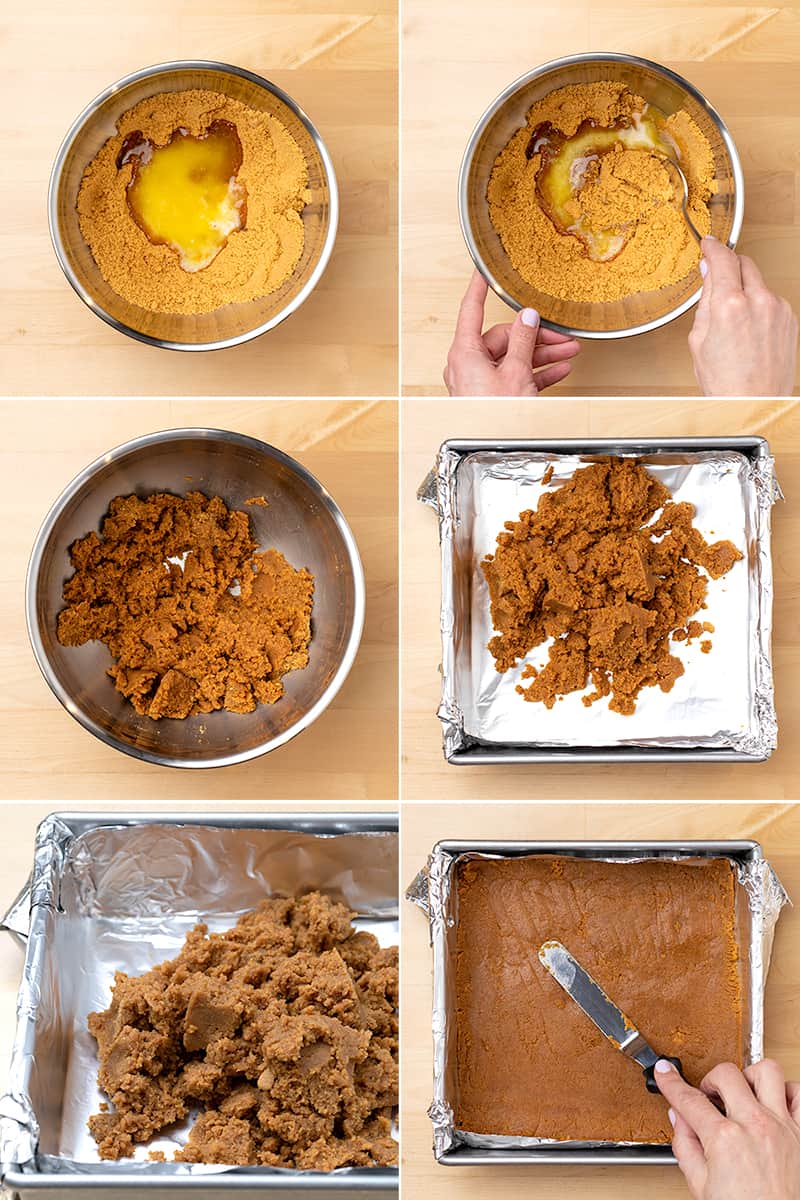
(685, 204)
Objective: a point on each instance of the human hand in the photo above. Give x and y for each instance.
(744, 338)
(752, 1152)
(517, 359)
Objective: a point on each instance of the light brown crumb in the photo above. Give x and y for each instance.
(629, 191)
(283, 1031)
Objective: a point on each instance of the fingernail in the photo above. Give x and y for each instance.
(662, 1066)
(671, 1115)
(703, 267)
(530, 317)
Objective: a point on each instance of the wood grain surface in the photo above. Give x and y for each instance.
(457, 58)
(19, 823)
(350, 752)
(337, 59)
(425, 773)
(776, 827)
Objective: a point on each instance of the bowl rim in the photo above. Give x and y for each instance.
(117, 454)
(193, 64)
(567, 61)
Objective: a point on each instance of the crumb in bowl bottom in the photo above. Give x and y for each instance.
(282, 1031)
(271, 183)
(623, 196)
(195, 619)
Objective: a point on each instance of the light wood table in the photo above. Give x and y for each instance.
(338, 60)
(425, 426)
(19, 822)
(776, 828)
(458, 56)
(350, 752)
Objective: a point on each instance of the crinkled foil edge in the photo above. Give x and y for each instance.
(431, 890)
(438, 491)
(19, 1129)
(764, 738)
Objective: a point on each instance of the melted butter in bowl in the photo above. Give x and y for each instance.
(586, 204)
(186, 194)
(568, 163)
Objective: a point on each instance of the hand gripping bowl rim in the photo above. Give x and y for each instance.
(537, 72)
(191, 64)
(118, 453)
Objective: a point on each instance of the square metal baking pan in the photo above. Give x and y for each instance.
(440, 490)
(46, 918)
(431, 892)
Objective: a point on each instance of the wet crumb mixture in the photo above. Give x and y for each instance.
(195, 202)
(585, 202)
(282, 1031)
(194, 617)
(612, 569)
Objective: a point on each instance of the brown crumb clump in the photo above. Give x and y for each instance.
(183, 643)
(256, 260)
(629, 190)
(586, 569)
(282, 1030)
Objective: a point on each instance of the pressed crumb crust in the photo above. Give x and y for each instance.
(659, 937)
(282, 1030)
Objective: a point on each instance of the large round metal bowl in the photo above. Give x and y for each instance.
(300, 519)
(234, 323)
(642, 311)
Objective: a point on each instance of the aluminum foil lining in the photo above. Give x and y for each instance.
(724, 700)
(123, 897)
(761, 896)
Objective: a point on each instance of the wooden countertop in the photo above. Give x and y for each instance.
(338, 59)
(350, 752)
(776, 827)
(457, 57)
(425, 773)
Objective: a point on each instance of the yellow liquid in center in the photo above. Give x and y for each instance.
(186, 195)
(565, 162)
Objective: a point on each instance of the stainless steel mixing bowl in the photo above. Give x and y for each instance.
(234, 323)
(637, 313)
(301, 520)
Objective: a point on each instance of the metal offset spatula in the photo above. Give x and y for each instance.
(589, 996)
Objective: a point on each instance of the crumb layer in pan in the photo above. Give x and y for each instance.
(658, 936)
(281, 1030)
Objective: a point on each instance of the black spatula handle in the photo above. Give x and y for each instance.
(649, 1073)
